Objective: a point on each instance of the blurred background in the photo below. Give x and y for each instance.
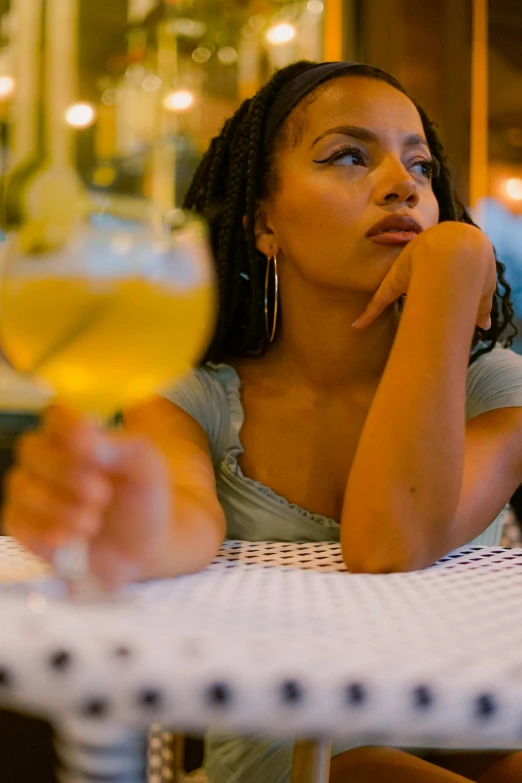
(147, 83)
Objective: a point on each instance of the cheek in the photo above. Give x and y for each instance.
(320, 210)
(318, 229)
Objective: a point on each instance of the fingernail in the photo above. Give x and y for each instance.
(356, 323)
(106, 455)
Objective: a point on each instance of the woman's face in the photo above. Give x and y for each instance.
(361, 157)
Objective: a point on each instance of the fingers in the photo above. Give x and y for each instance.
(394, 285)
(27, 538)
(76, 434)
(69, 482)
(387, 293)
(130, 458)
(56, 491)
(78, 481)
(42, 518)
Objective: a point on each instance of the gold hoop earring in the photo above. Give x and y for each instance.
(270, 332)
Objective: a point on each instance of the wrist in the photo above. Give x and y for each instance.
(445, 297)
(455, 248)
(457, 257)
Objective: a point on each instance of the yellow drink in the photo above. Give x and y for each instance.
(103, 343)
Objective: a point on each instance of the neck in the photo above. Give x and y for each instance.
(317, 345)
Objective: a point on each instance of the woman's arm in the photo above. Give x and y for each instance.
(405, 485)
(145, 501)
(198, 521)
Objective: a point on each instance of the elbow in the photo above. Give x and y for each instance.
(380, 563)
(388, 549)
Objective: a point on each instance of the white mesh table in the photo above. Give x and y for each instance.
(275, 639)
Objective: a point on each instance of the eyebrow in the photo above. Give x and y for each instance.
(413, 140)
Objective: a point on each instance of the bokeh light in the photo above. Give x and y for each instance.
(281, 33)
(110, 96)
(513, 189)
(80, 115)
(179, 100)
(7, 87)
(227, 55)
(315, 7)
(151, 82)
(201, 55)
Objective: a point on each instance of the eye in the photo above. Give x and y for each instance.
(350, 156)
(426, 168)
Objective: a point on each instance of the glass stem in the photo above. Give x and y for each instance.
(71, 561)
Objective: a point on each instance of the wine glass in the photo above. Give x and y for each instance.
(120, 310)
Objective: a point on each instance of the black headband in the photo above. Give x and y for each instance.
(296, 89)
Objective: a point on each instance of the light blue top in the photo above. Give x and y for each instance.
(212, 396)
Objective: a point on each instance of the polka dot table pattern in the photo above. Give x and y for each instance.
(273, 638)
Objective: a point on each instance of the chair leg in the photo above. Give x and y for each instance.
(165, 755)
(178, 754)
(311, 761)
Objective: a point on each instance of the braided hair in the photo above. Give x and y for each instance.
(238, 169)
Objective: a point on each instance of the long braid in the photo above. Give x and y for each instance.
(237, 170)
(206, 193)
(224, 189)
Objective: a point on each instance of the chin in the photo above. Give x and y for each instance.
(384, 257)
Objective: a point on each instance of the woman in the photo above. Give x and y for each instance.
(334, 406)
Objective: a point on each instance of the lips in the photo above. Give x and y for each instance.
(394, 230)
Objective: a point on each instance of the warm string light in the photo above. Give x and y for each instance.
(277, 32)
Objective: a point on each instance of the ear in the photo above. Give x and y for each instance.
(266, 241)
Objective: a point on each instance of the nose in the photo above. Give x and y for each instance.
(395, 186)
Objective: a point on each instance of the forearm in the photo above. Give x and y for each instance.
(405, 481)
(194, 537)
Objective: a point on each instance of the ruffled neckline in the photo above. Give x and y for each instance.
(231, 383)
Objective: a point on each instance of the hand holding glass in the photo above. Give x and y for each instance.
(122, 311)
